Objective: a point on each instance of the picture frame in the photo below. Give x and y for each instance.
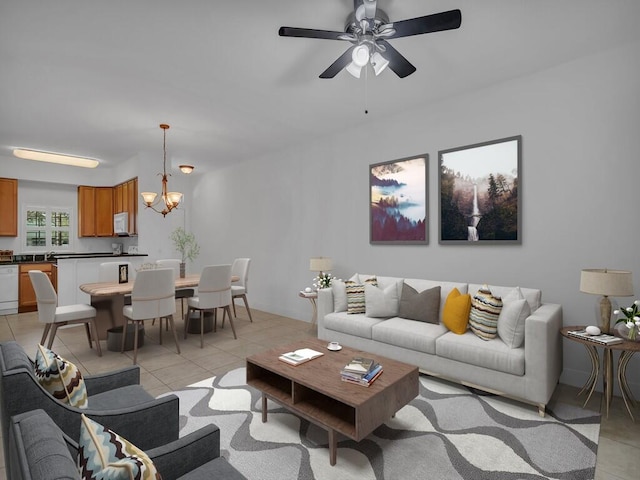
(398, 201)
(123, 273)
(480, 193)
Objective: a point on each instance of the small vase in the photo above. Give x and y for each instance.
(183, 267)
(627, 333)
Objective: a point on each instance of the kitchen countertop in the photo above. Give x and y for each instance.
(40, 258)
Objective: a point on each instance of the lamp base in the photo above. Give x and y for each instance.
(605, 314)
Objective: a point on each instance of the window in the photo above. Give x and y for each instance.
(47, 228)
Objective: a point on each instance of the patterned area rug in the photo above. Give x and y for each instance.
(447, 432)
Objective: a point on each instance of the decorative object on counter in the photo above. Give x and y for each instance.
(6, 255)
(629, 325)
(123, 273)
(185, 243)
(170, 200)
(147, 266)
(608, 283)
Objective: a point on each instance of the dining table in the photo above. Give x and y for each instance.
(108, 300)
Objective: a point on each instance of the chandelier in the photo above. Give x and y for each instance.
(170, 200)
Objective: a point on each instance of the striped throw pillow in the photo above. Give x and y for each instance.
(60, 378)
(485, 310)
(355, 295)
(103, 454)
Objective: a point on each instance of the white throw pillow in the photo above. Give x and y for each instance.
(515, 311)
(381, 302)
(339, 290)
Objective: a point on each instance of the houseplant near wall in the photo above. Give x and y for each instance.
(185, 243)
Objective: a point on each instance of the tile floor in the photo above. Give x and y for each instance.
(162, 370)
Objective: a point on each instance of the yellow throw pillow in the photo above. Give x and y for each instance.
(455, 315)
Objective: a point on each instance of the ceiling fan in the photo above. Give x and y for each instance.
(368, 29)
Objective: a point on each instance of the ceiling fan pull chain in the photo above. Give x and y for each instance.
(366, 84)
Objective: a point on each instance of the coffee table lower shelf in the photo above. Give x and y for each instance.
(350, 410)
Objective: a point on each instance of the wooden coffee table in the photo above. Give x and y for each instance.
(315, 392)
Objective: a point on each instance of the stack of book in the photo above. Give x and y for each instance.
(602, 339)
(361, 371)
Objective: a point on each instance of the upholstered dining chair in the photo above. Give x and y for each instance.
(183, 292)
(54, 316)
(214, 291)
(240, 269)
(110, 272)
(153, 296)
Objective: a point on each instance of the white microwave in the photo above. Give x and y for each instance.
(121, 224)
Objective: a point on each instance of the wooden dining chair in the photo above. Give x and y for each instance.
(153, 296)
(214, 291)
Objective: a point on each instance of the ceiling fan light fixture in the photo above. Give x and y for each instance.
(354, 69)
(360, 55)
(379, 63)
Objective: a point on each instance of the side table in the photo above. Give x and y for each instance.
(627, 348)
(311, 296)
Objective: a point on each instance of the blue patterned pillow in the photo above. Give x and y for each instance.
(105, 455)
(60, 378)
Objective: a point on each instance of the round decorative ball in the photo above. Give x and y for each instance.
(591, 330)
(308, 290)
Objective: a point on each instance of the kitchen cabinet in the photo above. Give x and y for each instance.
(9, 210)
(95, 211)
(126, 200)
(26, 295)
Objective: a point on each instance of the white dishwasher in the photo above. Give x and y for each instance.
(8, 289)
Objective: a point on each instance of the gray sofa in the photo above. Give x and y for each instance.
(39, 450)
(115, 400)
(528, 373)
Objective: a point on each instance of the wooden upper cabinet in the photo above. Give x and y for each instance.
(131, 203)
(95, 211)
(118, 199)
(9, 210)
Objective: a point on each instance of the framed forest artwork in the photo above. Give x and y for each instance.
(398, 201)
(480, 193)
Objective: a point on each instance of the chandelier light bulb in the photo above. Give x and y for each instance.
(360, 55)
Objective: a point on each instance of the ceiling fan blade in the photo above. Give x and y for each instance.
(335, 68)
(310, 33)
(397, 62)
(429, 23)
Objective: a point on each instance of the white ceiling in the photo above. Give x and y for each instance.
(96, 78)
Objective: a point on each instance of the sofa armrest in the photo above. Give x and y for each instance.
(543, 351)
(324, 304)
(147, 425)
(104, 382)
(180, 457)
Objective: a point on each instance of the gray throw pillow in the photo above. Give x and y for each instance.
(423, 306)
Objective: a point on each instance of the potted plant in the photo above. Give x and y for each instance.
(185, 243)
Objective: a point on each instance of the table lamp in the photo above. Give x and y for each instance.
(320, 265)
(614, 283)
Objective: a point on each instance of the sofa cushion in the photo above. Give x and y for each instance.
(532, 295)
(358, 325)
(485, 309)
(379, 302)
(492, 354)
(339, 290)
(455, 315)
(423, 306)
(60, 378)
(102, 453)
(511, 321)
(411, 334)
(445, 288)
(355, 295)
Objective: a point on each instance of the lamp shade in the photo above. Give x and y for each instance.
(613, 283)
(320, 264)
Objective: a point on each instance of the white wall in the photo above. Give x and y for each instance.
(579, 123)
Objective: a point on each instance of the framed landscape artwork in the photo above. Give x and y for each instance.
(398, 201)
(480, 193)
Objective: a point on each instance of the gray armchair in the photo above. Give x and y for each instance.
(39, 450)
(116, 400)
